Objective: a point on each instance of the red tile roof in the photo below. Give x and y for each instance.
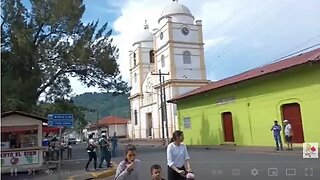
(308, 57)
(112, 120)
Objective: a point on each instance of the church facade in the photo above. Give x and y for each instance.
(164, 64)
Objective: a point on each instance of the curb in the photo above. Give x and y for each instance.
(96, 175)
(255, 149)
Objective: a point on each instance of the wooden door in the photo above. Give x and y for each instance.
(227, 127)
(292, 113)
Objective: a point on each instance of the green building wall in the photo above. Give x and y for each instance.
(257, 103)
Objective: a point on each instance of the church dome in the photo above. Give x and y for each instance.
(144, 36)
(175, 8)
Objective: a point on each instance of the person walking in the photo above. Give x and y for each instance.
(177, 158)
(288, 134)
(130, 167)
(104, 150)
(91, 149)
(276, 128)
(114, 142)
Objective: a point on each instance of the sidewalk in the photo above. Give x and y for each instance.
(143, 142)
(297, 149)
(79, 174)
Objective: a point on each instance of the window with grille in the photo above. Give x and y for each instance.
(187, 122)
(134, 59)
(186, 57)
(163, 63)
(151, 54)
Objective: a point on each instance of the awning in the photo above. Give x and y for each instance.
(50, 129)
(7, 129)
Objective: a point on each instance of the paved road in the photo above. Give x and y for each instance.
(219, 164)
(208, 164)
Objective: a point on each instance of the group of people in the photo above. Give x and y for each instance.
(177, 155)
(276, 128)
(53, 147)
(177, 161)
(106, 151)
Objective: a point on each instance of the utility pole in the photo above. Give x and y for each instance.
(162, 104)
(165, 109)
(97, 111)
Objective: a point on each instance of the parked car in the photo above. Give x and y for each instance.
(72, 141)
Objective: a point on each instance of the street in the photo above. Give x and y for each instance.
(212, 163)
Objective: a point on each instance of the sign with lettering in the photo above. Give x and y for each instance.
(60, 120)
(226, 100)
(27, 157)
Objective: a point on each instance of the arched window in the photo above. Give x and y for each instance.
(151, 55)
(135, 77)
(134, 59)
(163, 62)
(186, 57)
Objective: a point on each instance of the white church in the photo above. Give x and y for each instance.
(175, 49)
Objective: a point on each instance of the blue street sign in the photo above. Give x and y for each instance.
(60, 120)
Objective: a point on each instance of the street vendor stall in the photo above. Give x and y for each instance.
(21, 141)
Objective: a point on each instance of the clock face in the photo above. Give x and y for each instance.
(185, 31)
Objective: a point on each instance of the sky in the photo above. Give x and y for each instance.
(238, 34)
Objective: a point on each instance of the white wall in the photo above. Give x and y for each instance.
(130, 130)
(160, 42)
(120, 129)
(191, 37)
(135, 105)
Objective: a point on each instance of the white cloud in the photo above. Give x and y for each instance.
(223, 21)
(239, 35)
(130, 23)
(79, 88)
(210, 43)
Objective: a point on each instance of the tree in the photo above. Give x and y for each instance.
(45, 44)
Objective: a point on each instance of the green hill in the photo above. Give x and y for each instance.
(103, 104)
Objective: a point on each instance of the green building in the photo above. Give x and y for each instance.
(241, 109)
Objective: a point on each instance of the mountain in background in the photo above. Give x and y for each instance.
(100, 105)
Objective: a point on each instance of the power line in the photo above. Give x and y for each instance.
(289, 55)
(310, 47)
(296, 47)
